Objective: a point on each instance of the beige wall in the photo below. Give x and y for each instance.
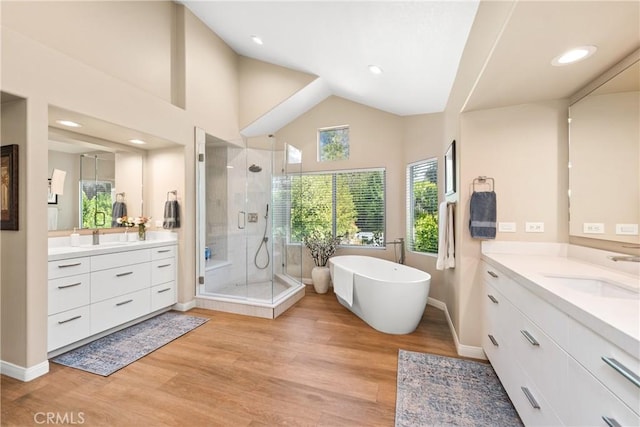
(263, 86)
(524, 148)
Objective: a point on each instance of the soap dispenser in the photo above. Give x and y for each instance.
(75, 238)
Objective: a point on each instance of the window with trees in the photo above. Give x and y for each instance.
(422, 206)
(333, 143)
(345, 204)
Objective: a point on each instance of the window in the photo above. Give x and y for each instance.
(96, 204)
(333, 143)
(422, 206)
(348, 204)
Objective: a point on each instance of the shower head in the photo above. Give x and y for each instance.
(255, 168)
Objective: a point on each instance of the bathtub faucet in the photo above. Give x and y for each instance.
(398, 241)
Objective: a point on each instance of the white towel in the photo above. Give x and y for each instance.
(343, 283)
(446, 248)
(52, 218)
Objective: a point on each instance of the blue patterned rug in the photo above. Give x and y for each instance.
(444, 391)
(108, 354)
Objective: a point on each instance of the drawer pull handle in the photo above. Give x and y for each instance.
(492, 274)
(622, 370)
(529, 337)
(70, 265)
(60, 322)
(164, 290)
(124, 302)
(493, 340)
(124, 274)
(530, 398)
(163, 251)
(611, 422)
(164, 265)
(69, 286)
(493, 299)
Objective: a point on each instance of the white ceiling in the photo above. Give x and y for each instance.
(418, 45)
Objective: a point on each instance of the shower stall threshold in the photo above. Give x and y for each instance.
(253, 306)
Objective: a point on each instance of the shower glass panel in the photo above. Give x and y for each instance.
(97, 182)
(244, 200)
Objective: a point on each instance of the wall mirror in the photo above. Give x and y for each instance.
(103, 170)
(604, 159)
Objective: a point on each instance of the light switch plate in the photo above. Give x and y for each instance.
(507, 227)
(627, 229)
(534, 227)
(593, 228)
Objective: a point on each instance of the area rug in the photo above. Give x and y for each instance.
(444, 391)
(110, 353)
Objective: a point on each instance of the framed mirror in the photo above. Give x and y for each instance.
(604, 159)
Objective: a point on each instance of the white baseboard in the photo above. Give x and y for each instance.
(184, 306)
(24, 374)
(462, 350)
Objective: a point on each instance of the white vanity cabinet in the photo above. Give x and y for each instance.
(549, 363)
(96, 292)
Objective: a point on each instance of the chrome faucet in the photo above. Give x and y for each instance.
(398, 241)
(629, 258)
(96, 236)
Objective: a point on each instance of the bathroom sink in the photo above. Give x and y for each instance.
(105, 245)
(595, 286)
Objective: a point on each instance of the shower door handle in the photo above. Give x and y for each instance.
(242, 220)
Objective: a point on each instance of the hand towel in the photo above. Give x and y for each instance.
(446, 249)
(482, 219)
(343, 283)
(171, 215)
(118, 210)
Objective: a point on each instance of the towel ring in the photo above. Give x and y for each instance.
(120, 197)
(483, 180)
(175, 195)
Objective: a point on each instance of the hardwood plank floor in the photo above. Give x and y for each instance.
(316, 365)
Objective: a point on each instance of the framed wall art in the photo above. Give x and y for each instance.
(450, 169)
(9, 187)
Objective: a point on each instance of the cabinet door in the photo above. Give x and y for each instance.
(163, 295)
(163, 252)
(163, 271)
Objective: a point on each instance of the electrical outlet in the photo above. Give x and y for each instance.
(593, 228)
(534, 227)
(507, 227)
(627, 229)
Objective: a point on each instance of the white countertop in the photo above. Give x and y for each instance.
(617, 319)
(60, 248)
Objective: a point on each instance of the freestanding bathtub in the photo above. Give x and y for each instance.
(389, 297)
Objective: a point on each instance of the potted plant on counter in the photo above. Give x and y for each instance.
(321, 246)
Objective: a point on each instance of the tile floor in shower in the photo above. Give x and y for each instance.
(259, 290)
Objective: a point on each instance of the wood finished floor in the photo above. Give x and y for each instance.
(316, 365)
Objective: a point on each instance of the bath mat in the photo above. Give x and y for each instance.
(108, 354)
(444, 391)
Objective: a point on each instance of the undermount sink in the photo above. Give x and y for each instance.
(595, 286)
(105, 245)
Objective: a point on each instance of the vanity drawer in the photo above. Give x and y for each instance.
(163, 270)
(588, 401)
(119, 281)
(68, 327)
(68, 292)
(68, 267)
(115, 311)
(541, 358)
(163, 252)
(581, 338)
(103, 262)
(532, 406)
(546, 316)
(163, 295)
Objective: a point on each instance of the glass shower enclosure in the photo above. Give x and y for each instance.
(244, 200)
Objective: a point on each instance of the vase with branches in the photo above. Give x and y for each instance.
(321, 246)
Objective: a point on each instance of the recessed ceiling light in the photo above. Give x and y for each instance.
(68, 123)
(257, 40)
(137, 141)
(375, 69)
(574, 55)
